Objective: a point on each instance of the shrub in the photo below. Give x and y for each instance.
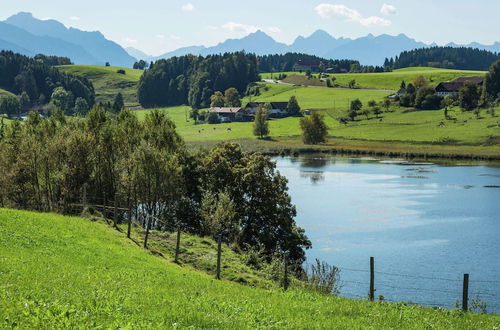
(324, 278)
(121, 71)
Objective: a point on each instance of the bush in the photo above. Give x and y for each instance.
(314, 129)
(324, 278)
(432, 102)
(213, 118)
(121, 71)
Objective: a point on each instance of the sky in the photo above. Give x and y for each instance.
(158, 26)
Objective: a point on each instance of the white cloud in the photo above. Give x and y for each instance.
(238, 27)
(174, 37)
(188, 7)
(74, 18)
(326, 10)
(160, 36)
(388, 9)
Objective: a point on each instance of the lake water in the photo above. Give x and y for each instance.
(425, 225)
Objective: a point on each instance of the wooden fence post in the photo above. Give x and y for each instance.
(219, 252)
(147, 232)
(115, 211)
(372, 279)
(129, 219)
(84, 197)
(177, 245)
(285, 275)
(465, 293)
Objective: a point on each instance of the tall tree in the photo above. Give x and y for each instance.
(217, 100)
(232, 98)
(468, 96)
(118, 103)
(61, 99)
(81, 107)
(260, 125)
(221, 217)
(314, 129)
(293, 106)
(491, 91)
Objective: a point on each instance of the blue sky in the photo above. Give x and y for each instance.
(157, 26)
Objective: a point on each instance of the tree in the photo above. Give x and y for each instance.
(24, 100)
(41, 99)
(217, 100)
(421, 95)
(329, 83)
(491, 89)
(420, 82)
(141, 65)
(356, 105)
(213, 118)
(403, 85)
(81, 107)
(447, 102)
(468, 96)
(107, 64)
(221, 218)
(352, 83)
(118, 103)
(314, 129)
(10, 105)
(410, 89)
(260, 125)
(195, 114)
(386, 103)
(61, 98)
(293, 106)
(232, 98)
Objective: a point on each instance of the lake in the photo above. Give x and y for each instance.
(425, 224)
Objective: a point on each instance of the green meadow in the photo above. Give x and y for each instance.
(70, 272)
(107, 82)
(392, 80)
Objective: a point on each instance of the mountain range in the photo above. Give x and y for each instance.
(28, 35)
(368, 50)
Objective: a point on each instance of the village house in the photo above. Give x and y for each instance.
(278, 109)
(229, 114)
(453, 87)
(302, 66)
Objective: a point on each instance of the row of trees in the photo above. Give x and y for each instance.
(34, 77)
(193, 80)
(462, 58)
(286, 62)
(45, 163)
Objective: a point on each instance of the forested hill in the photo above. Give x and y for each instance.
(462, 58)
(33, 76)
(193, 79)
(285, 62)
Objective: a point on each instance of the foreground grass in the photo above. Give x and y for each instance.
(66, 272)
(107, 82)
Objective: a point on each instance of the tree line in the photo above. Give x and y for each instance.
(49, 164)
(193, 80)
(460, 58)
(286, 62)
(37, 79)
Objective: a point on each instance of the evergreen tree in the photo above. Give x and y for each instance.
(293, 106)
(118, 103)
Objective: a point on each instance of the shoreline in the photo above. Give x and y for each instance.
(405, 150)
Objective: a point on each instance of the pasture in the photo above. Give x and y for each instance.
(69, 272)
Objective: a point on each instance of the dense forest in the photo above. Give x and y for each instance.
(53, 60)
(193, 79)
(38, 80)
(283, 63)
(50, 164)
(460, 58)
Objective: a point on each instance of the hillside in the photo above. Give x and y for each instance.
(388, 80)
(67, 272)
(107, 82)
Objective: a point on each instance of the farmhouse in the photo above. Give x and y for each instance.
(453, 87)
(278, 109)
(301, 66)
(229, 114)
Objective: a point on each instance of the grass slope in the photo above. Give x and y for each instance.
(107, 82)
(66, 272)
(391, 80)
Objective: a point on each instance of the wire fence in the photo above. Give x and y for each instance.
(429, 291)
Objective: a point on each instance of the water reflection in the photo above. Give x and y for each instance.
(417, 218)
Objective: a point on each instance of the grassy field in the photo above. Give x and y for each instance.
(68, 272)
(107, 82)
(392, 80)
(398, 130)
(5, 93)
